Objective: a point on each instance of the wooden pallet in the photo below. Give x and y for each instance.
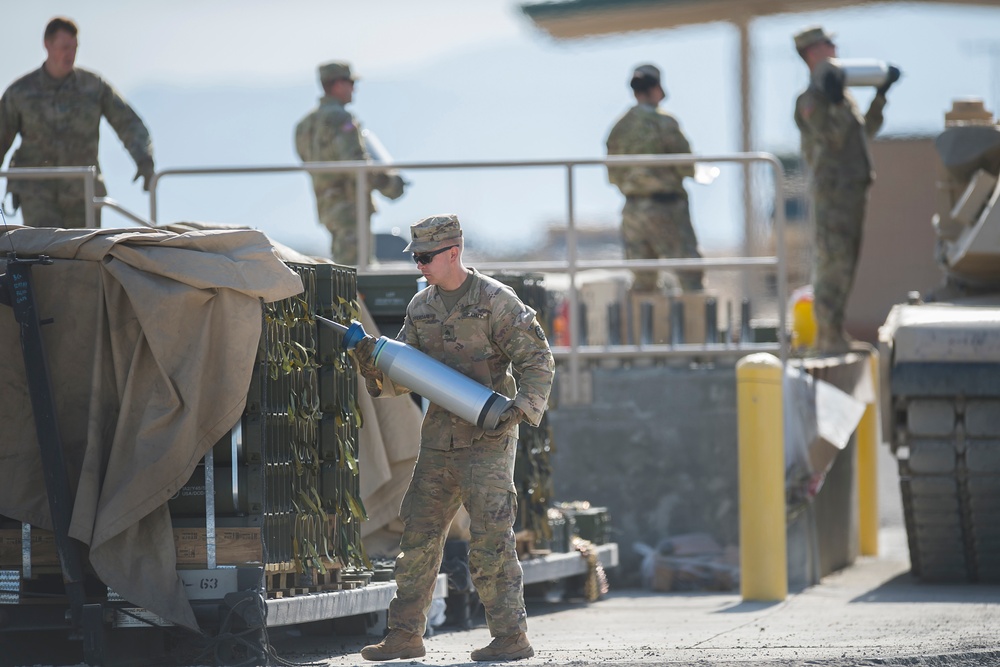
(285, 580)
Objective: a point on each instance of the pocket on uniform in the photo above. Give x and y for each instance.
(499, 507)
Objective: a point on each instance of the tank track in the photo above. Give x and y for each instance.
(947, 441)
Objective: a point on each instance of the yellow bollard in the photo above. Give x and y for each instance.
(868, 441)
(763, 558)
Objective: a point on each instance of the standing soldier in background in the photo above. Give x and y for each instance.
(835, 147)
(57, 111)
(477, 326)
(656, 219)
(331, 133)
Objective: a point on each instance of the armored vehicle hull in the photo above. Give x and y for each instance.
(940, 358)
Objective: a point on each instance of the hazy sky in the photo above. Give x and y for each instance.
(223, 82)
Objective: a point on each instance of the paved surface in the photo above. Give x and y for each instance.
(873, 613)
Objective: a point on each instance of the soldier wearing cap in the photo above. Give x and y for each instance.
(331, 133)
(479, 327)
(656, 219)
(57, 110)
(835, 147)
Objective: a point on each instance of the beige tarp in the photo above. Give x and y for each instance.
(150, 352)
(389, 443)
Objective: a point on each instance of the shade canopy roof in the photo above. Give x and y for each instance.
(573, 19)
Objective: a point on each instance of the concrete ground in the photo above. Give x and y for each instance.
(872, 613)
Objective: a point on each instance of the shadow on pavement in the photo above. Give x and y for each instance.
(905, 588)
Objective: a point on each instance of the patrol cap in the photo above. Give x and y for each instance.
(432, 231)
(647, 73)
(334, 70)
(812, 35)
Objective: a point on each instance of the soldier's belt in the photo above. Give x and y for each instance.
(661, 197)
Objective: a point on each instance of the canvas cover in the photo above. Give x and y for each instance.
(150, 351)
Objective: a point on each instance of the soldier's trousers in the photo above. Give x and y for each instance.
(481, 477)
(655, 229)
(840, 215)
(55, 208)
(339, 215)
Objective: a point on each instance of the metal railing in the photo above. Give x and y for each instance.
(575, 352)
(89, 177)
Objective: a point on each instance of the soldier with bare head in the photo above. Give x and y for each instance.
(57, 110)
(477, 326)
(656, 219)
(835, 147)
(331, 133)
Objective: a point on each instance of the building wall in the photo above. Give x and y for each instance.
(897, 253)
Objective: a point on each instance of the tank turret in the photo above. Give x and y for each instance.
(968, 227)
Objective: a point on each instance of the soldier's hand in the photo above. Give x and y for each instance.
(145, 171)
(390, 185)
(15, 203)
(364, 354)
(508, 421)
(833, 85)
(890, 79)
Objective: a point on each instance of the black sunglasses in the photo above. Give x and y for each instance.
(428, 257)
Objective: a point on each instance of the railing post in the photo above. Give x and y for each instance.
(779, 234)
(154, 182)
(363, 200)
(574, 297)
(89, 218)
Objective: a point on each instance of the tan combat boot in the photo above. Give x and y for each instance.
(396, 644)
(512, 647)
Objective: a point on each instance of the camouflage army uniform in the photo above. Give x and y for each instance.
(835, 146)
(656, 220)
(331, 133)
(59, 123)
(487, 332)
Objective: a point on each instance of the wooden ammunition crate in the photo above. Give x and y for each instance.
(234, 546)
